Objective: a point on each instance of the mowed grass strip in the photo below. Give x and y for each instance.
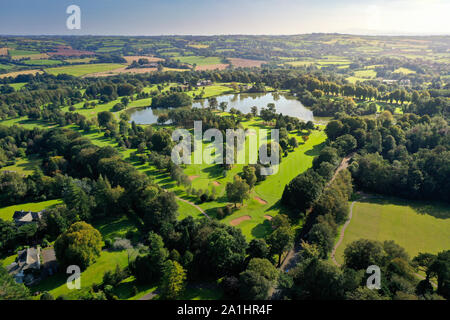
(416, 226)
(7, 213)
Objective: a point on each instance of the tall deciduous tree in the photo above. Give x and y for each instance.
(173, 280)
(280, 241)
(237, 191)
(80, 245)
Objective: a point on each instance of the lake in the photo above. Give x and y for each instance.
(285, 104)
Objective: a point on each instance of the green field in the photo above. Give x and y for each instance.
(23, 166)
(84, 69)
(199, 60)
(18, 86)
(56, 284)
(42, 62)
(211, 91)
(7, 67)
(18, 52)
(6, 213)
(416, 226)
(404, 70)
(80, 60)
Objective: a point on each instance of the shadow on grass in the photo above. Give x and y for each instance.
(315, 150)
(212, 212)
(293, 216)
(114, 227)
(50, 283)
(262, 229)
(202, 291)
(214, 172)
(435, 209)
(128, 289)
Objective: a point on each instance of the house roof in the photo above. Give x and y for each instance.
(29, 258)
(23, 217)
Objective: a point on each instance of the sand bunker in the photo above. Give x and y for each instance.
(215, 183)
(237, 221)
(268, 217)
(262, 201)
(193, 177)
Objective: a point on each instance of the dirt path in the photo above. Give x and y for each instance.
(342, 166)
(289, 260)
(194, 205)
(149, 296)
(341, 236)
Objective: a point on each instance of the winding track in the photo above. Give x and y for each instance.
(341, 236)
(194, 205)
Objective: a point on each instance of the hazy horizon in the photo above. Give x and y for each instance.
(233, 17)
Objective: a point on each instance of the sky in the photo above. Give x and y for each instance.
(213, 17)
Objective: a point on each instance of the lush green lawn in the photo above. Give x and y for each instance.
(83, 69)
(114, 227)
(125, 290)
(23, 165)
(6, 213)
(416, 226)
(211, 91)
(25, 123)
(57, 286)
(18, 86)
(185, 210)
(8, 260)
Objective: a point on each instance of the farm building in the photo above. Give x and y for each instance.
(202, 83)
